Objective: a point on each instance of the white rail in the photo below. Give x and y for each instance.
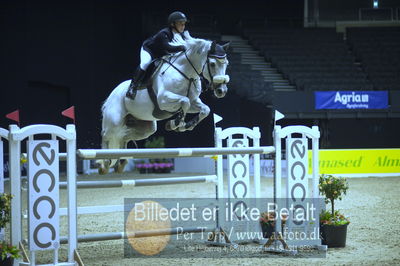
(169, 152)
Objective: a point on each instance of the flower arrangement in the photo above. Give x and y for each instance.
(155, 142)
(337, 219)
(5, 209)
(268, 218)
(143, 167)
(162, 167)
(267, 222)
(6, 250)
(155, 166)
(333, 188)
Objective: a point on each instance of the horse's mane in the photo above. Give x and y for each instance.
(193, 45)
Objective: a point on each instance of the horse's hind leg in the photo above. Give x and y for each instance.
(121, 163)
(139, 129)
(103, 165)
(135, 130)
(111, 139)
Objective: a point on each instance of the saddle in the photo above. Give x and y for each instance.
(154, 64)
(147, 84)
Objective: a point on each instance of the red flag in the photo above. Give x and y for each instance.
(14, 116)
(70, 113)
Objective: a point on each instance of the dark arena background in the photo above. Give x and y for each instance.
(55, 54)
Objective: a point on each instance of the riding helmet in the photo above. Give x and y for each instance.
(176, 16)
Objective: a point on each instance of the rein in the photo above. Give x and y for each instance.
(201, 75)
(191, 80)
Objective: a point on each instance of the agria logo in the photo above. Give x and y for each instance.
(351, 98)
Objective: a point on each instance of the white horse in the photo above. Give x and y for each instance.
(173, 90)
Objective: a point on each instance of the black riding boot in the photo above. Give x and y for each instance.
(135, 83)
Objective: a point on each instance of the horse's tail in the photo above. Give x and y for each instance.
(113, 109)
(116, 97)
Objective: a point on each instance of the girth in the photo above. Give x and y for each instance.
(157, 112)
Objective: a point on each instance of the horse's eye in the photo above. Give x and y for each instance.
(212, 64)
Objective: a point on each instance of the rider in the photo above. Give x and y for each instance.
(156, 47)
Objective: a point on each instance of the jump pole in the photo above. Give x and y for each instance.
(18, 135)
(169, 152)
(138, 234)
(221, 135)
(143, 182)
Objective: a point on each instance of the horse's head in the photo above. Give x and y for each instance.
(208, 59)
(216, 67)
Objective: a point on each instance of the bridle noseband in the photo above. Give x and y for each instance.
(216, 79)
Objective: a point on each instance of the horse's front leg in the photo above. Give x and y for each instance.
(202, 110)
(172, 102)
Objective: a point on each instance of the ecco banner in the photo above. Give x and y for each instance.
(1, 168)
(297, 187)
(239, 175)
(43, 193)
(239, 190)
(351, 99)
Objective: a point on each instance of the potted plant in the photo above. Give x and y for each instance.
(162, 165)
(155, 142)
(143, 167)
(7, 251)
(267, 222)
(333, 224)
(158, 165)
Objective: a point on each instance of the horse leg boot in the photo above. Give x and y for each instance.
(135, 83)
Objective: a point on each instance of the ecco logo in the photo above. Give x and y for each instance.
(43, 192)
(297, 172)
(240, 178)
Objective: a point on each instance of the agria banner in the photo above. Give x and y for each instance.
(351, 99)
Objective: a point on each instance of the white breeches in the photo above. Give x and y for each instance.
(145, 59)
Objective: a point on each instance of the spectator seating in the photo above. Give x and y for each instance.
(378, 49)
(248, 83)
(312, 59)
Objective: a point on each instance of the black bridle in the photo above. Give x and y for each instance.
(200, 75)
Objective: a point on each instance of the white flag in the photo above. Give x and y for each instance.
(217, 118)
(278, 115)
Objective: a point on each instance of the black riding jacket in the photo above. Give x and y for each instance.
(158, 45)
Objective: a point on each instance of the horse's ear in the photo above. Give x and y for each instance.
(212, 48)
(226, 46)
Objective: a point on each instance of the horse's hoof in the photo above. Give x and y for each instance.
(120, 166)
(98, 164)
(180, 129)
(168, 126)
(103, 171)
